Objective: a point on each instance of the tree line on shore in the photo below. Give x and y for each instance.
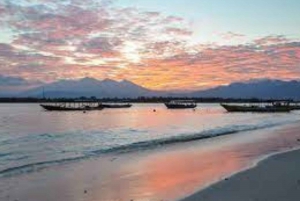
(134, 100)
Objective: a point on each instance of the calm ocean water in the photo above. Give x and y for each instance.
(31, 138)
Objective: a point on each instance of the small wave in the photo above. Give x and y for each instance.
(35, 166)
(138, 146)
(4, 154)
(29, 138)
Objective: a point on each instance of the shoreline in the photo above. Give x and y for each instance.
(30, 168)
(147, 175)
(238, 186)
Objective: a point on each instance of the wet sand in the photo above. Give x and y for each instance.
(274, 179)
(165, 173)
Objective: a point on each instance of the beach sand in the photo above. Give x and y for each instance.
(166, 173)
(274, 179)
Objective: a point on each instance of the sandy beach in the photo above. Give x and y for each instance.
(173, 172)
(274, 179)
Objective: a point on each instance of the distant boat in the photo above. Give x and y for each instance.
(116, 105)
(72, 106)
(294, 105)
(181, 104)
(274, 107)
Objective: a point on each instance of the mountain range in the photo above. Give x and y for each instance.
(90, 87)
(264, 89)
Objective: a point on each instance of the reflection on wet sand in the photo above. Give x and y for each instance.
(183, 173)
(176, 173)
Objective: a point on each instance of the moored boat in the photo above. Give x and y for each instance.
(257, 107)
(74, 106)
(181, 104)
(294, 105)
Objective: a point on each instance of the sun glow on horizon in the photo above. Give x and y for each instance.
(131, 52)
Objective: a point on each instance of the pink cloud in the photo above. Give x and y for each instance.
(270, 40)
(231, 35)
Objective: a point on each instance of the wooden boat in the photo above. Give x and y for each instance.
(72, 106)
(116, 105)
(290, 104)
(256, 108)
(294, 105)
(181, 104)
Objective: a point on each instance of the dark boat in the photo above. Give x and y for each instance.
(290, 104)
(116, 105)
(257, 108)
(72, 106)
(181, 104)
(294, 105)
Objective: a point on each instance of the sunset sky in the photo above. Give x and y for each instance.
(175, 44)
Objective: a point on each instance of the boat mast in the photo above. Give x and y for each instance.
(43, 93)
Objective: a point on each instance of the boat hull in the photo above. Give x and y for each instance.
(61, 108)
(116, 106)
(176, 106)
(295, 107)
(236, 108)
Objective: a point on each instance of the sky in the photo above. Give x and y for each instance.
(161, 45)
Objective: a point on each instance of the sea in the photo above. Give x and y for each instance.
(32, 138)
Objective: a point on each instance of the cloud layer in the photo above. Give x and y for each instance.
(68, 39)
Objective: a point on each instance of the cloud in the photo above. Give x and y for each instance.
(178, 31)
(231, 35)
(271, 40)
(58, 39)
(17, 81)
(102, 46)
(55, 36)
